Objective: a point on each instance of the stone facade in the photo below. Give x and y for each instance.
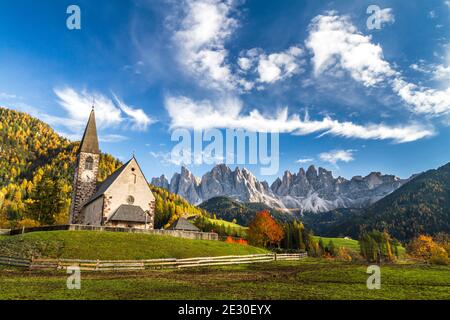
(84, 185)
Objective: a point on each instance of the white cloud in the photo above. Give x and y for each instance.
(270, 68)
(442, 72)
(447, 3)
(422, 99)
(227, 113)
(245, 63)
(334, 41)
(386, 15)
(279, 66)
(107, 113)
(79, 104)
(304, 160)
(201, 36)
(336, 156)
(140, 119)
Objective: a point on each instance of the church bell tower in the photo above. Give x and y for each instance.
(86, 171)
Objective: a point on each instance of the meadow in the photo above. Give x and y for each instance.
(290, 280)
(114, 246)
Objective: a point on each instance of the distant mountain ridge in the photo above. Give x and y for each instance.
(306, 191)
(421, 206)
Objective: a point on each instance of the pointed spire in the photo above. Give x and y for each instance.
(89, 143)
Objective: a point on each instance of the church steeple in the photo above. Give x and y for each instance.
(86, 171)
(89, 143)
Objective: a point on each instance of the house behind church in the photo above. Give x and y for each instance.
(124, 199)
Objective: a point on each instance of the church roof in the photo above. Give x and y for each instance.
(105, 185)
(101, 189)
(129, 213)
(89, 143)
(183, 224)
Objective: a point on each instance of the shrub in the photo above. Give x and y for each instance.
(421, 247)
(343, 254)
(28, 223)
(439, 256)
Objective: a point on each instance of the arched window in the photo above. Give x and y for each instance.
(89, 164)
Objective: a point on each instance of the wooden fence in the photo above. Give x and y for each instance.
(124, 265)
(15, 261)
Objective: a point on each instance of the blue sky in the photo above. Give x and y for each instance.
(342, 95)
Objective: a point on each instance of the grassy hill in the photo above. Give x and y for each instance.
(341, 242)
(114, 246)
(226, 223)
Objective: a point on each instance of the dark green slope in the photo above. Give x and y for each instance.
(421, 206)
(229, 209)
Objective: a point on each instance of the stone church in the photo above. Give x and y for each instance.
(124, 199)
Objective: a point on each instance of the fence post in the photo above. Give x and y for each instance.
(275, 256)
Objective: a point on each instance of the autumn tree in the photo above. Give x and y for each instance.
(425, 248)
(264, 231)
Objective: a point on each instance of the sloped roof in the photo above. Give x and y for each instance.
(101, 189)
(105, 185)
(89, 143)
(183, 224)
(129, 213)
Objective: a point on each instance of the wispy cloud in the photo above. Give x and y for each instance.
(336, 42)
(336, 156)
(304, 160)
(139, 118)
(227, 113)
(108, 113)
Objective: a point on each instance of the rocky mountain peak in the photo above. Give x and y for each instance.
(315, 190)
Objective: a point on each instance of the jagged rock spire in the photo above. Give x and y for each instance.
(89, 143)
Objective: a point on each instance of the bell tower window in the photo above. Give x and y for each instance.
(89, 164)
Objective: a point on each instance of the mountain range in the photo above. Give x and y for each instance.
(313, 190)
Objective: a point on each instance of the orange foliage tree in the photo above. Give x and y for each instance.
(421, 247)
(264, 230)
(425, 248)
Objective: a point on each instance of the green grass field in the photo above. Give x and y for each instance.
(114, 246)
(226, 223)
(305, 279)
(341, 242)
(352, 244)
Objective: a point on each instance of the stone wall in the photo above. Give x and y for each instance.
(74, 227)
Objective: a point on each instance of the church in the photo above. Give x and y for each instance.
(124, 199)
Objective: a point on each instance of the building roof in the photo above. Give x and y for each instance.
(183, 224)
(101, 189)
(129, 213)
(105, 185)
(89, 143)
